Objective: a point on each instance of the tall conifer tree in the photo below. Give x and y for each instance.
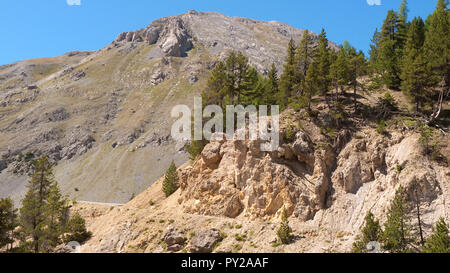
(323, 64)
(415, 73)
(388, 57)
(304, 57)
(288, 78)
(396, 236)
(437, 53)
(439, 241)
(8, 223)
(42, 209)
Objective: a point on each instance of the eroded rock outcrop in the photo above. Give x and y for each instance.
(305, 175)
(170, 33)
(235, 177)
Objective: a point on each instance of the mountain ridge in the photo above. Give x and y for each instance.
(114, 103)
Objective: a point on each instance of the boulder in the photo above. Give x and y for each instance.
(211, 154)
(204, 241)
(173, 239)
(157, 77)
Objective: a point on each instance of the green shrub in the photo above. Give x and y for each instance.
(381, 129)
(290, 133)
(170, 183)
(276, 244)
(284, 232)
(439, 241)
(240, 237)
(429, 142)
(369, 233)
(76, 230)
(385, 106)
(330, 132)
(195, 148)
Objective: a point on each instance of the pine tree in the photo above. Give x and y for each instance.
(402, 25)
(312, 83)
(76, 230)
(170, 183)
(216, 87)
(230, 81)
(339, 72)
(288, 78)
(439, 241)
(231, 77)
(357, 68)
(32, 214)
(323, 64)
(273, 91)
(284, 232)
(389, 51)
(45, 211)
(415, 73)
(418, 214)
(242, 75)
(370, 233)
(437, 51)
(57, 214)
(254, 88)
(374, 48)
(303, 58)
(396, 236)
(8, 223)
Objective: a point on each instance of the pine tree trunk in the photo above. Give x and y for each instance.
(422, 241)
(445, 92)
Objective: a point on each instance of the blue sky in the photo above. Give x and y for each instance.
(45, 28)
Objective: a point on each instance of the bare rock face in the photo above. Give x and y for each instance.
(204, 241)
(301, 148)
(361, 161)
(78, 75)
(79, 141)
(129, 36)
(234, 177)
(151, 34)
(122, 36)
(174, 38)
(350, 177)
(170, 33)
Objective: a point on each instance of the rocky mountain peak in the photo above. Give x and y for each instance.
(261, 41)
(169, 33)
